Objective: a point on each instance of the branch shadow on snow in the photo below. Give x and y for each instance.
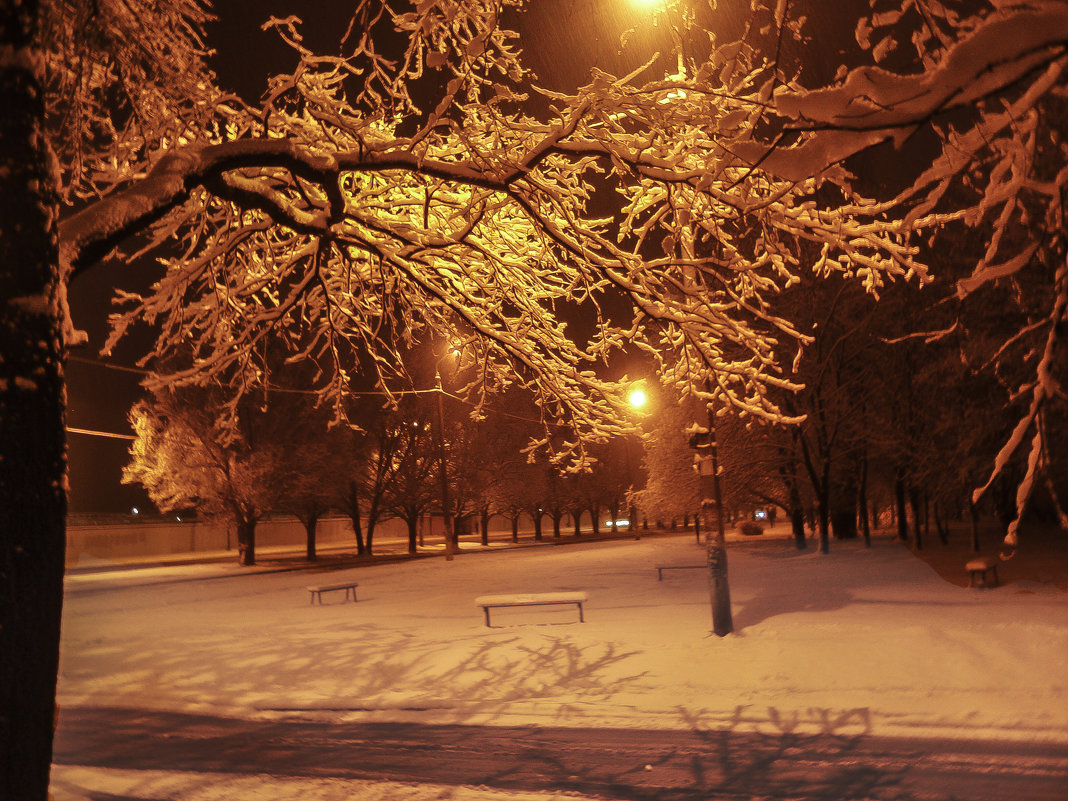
(776, 760)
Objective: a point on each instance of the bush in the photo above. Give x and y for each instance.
(751, 529)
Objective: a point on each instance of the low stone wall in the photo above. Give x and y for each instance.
(134, 539)
(162, 538)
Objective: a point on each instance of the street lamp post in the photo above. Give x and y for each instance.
(446, 517)
(448, 522)
(716, 547)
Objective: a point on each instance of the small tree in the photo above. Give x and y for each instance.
(184, 456)
(410, 472)
(672, 490)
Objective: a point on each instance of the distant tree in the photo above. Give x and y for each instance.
(361, 485)
(410, 474)
(310, 453)
(185, 456)
(672, 490)
(988, 81)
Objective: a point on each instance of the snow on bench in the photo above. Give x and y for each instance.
(317, 590)
(488, 602)
(660, 570)
(979, 567)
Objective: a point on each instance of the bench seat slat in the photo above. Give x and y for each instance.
(488, 602)
(317, 590)
(530, 599)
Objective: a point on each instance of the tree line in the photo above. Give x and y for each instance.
(284, 456)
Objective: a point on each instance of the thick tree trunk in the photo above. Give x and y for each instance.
(483, 526)
(311, 523)
(900, 510)
(863, 503)
(246, 542)
(372, 522)
(354, 516)
(914, 502)
(941, 526)
(515, 527)
(577, 518)
(413, 531)
(844, 512)
(33, 463)
(797, 524)
(823, 519)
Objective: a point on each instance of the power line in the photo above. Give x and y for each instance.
(294, 391)
(91, 433)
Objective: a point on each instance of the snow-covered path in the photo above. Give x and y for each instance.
(856, 642)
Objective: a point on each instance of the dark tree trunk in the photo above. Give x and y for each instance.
(557, 518)
(901, 511)
(537, 518)
(844, 512)
(372, 522)
(914, 502)
(515, 527)
(797, 524)
(863, 503)
(33, 463)
(483, 525)
(354, 516)
(577, 518)
(823, 518)
(246, 541)
(311, 523)
(941, 526)
(413, 531)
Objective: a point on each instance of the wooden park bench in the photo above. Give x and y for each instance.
(318, 590)
(660, 570)
(488, 602)
(979, 567)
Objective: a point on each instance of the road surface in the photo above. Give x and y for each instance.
(623, 764)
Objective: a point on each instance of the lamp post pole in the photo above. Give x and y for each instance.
(716, 547)
(446, 517)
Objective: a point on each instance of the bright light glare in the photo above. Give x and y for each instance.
(646, 3)
(638, 398)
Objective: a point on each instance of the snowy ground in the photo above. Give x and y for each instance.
(857, 641)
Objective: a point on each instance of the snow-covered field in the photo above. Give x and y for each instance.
(855, 641)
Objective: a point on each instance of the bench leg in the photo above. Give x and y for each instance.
(486, 610)
(581, 618)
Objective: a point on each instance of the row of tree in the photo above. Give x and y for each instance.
(284, 456)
